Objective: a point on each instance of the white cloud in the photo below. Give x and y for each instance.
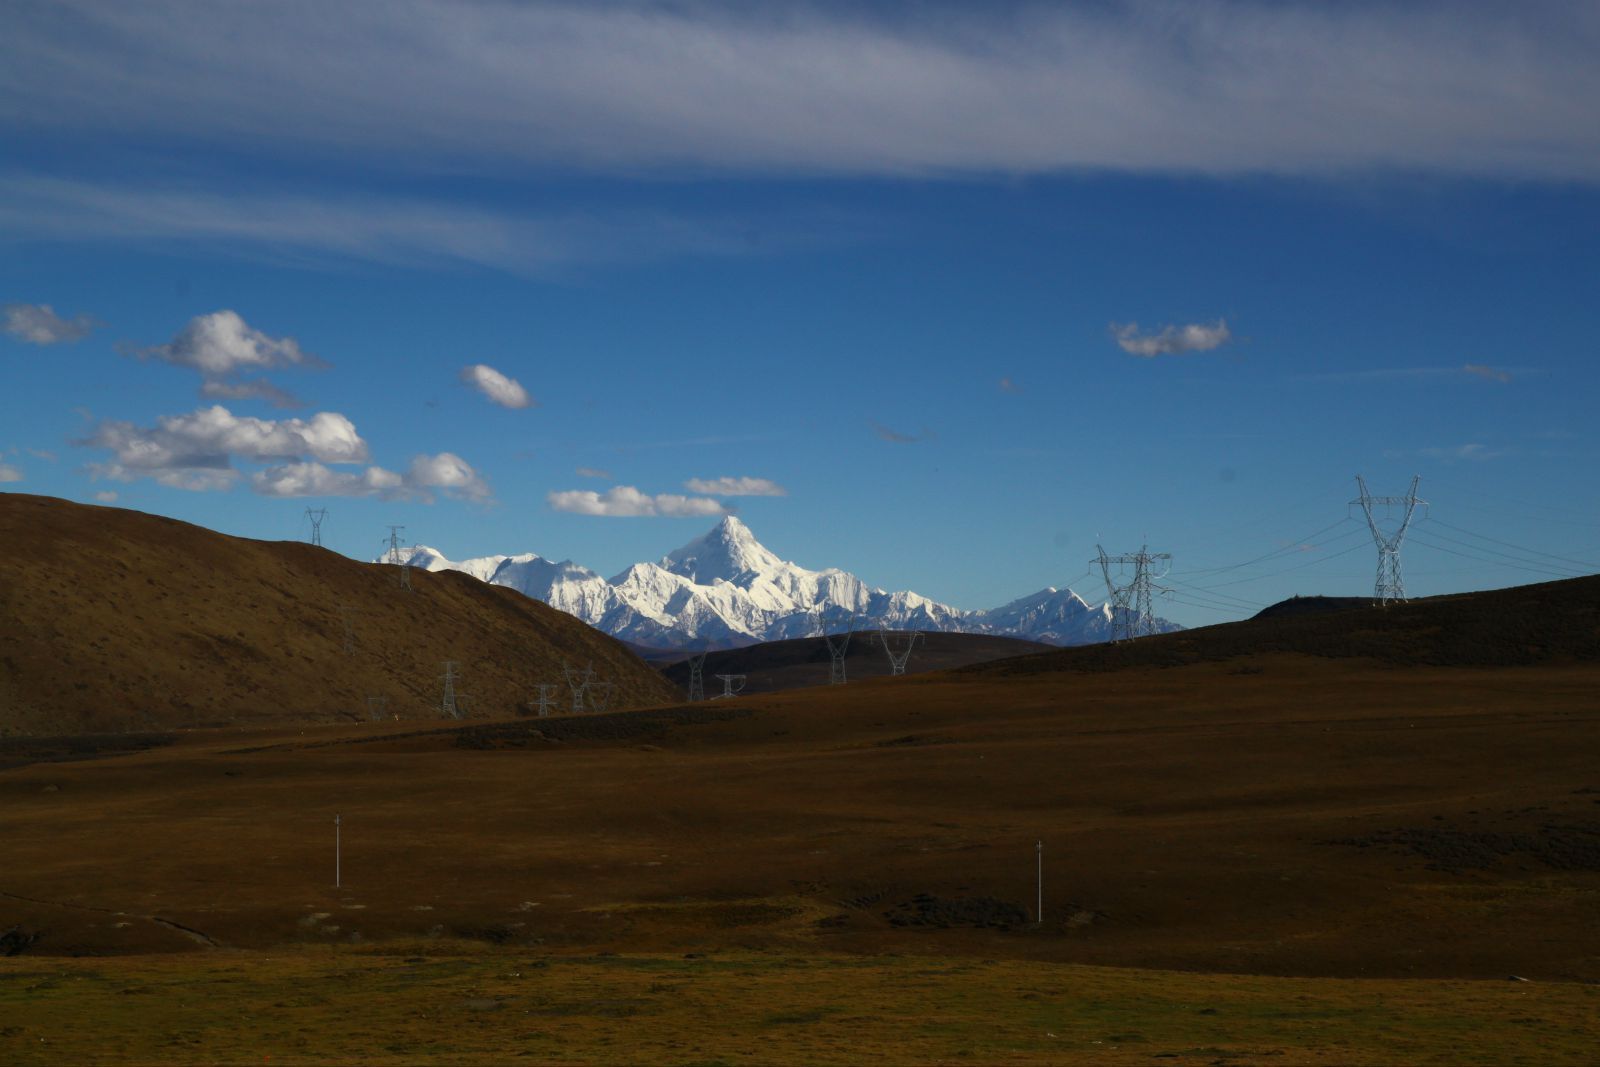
(196, 452)
(1171, 340)
(593, 472)
(191, 479)
(8, 473)
(735, 487)
(626, 501)
(106, 496)
(42, 453)
(38, 324)
(451, 474)
(1216, 88)
(207, 437)
(257, 389)
(1009, 386)
(222, 343)
(507, 392)
(311, 478)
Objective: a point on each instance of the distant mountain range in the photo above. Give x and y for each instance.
(726, 589)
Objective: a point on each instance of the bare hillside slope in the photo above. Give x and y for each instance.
(115, 620)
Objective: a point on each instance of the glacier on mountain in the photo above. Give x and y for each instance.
(726, 588)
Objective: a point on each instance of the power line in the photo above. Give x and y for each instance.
(1295, 546)
(1530, 564)
(1289, 570)
(1519, 548)
(1494, 562)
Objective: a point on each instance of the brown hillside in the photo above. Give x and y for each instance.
(1527, 624)
(777, 665)
(114, 620)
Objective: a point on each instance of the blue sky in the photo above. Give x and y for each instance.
(973, 288)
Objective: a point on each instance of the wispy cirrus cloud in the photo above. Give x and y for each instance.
(327, 229)
(1472, 452)
(727, 486)
(593, 472)
(1171, 340)
(896, 437)
(1487, 373)
(1223, 87)
(624, 501)
(1465, 372)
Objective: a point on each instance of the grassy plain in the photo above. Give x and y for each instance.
(453, 1003)
(1268, 855)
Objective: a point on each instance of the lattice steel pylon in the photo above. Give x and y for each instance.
(546, 699)
(447, 704)
(697, 678)
(316, 515)
(732, 686)
(898, 656)
(599, 694)
(395, 557)
(1390, 584)
(838, 646)
(347, 614)
(1132, 610)
(578, 681)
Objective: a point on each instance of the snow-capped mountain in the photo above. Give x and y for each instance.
(726, 588)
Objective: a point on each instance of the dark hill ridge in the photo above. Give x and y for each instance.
(1523, 625)
(115, 620)
(777, 665)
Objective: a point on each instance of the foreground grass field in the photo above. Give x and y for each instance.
(455, 1003)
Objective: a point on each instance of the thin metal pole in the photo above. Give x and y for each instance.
(337, 879)
(1038, 849)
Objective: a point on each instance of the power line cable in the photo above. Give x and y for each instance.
(1288, 570)
(1519, 548)
(1496, 562)
(1296, 546)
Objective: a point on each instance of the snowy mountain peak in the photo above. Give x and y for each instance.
(729, 551)
(726, 588)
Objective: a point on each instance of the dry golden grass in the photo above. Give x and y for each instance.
(456, 1004)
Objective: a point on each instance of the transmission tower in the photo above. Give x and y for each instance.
(600, 694)
(732, 685)
(399, 559)
(838, 645)
(1132, 612)
(900, 651)
(347, 613)
(316, 515)
(697, 682)
(447, 705)
(546, 699)
(578, 681)
(1388, 535)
